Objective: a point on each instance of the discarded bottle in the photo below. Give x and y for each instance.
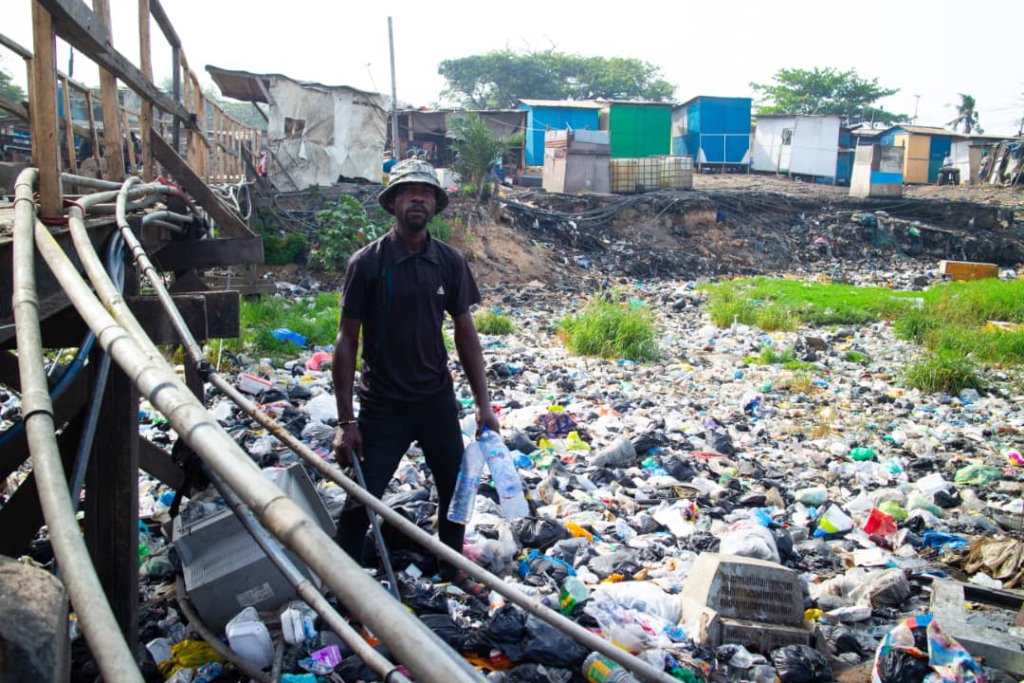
(573, 592)
(599, 669)
(461, 508)
(504, 475)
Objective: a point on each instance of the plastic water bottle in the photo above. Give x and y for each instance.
(460, 510)
(504, 475)
(599, 669)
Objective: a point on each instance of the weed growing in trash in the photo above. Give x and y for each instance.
(279, 247)
(493, 322)
(856, 357)
(439, 229)
(611, 330)
(943, 372)
(344, 228)
(315, 318)
(787, 359)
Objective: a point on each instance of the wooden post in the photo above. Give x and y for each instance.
(176, 93)
(146, 116)
(69, 131)
(112, 495)
(128, 140)
(111, 119)
(43, 112)
(95, 134)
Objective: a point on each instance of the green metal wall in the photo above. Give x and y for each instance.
(640, 131)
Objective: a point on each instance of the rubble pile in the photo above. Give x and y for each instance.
(651, 485)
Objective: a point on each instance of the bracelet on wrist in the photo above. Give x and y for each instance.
(346, 423)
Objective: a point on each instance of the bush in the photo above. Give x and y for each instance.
(315, 318)
(279, 247)
(439, 229)
(610, 330)
(493, 322)
(343, 228)
(943, 372)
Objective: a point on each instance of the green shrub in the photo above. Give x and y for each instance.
(279, 247)
(439, 229)
(943, 372)
(610, 330)
(344, 227)
(493, 322)
(315, 318)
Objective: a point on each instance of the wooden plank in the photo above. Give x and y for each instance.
(45, 148)
(156, 462)
(160, 16)
(146, 66)
(184, 254)
(15, 47)
(21, 111)
(85, 31)
(94, 134)
(112, 501)
(129, 142)
(964, 271)
(112, 149)
(230, 223)
(69, 133)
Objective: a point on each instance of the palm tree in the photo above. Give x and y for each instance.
(966, 114)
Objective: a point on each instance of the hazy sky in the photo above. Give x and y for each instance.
(932, 49)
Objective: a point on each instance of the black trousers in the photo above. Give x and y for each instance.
(387, 434)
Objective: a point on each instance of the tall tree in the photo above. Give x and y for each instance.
(966, 115)
(826, 92)
(9, 89)
(498, 79)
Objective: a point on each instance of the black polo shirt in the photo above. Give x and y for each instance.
(401, 298)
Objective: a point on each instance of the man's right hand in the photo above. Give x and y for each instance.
(347, 439)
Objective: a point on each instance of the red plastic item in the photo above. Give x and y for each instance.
(879, 524)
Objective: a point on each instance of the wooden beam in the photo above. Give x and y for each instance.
(112, 149)
(94, 133)
(157, 463)
(83, 29)
(157, 10)
(187, 254)
(14, 47)
(45, 149)
(69, 133)
(230, 224)
(128, 141)
(146, 65)
(22, 112)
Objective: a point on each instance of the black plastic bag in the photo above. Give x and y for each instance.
(624, 562)
(544, 644)
(422, 597)
(801, 664)
(539, 532)
(446, 629)
(572, 551)
(508, 625)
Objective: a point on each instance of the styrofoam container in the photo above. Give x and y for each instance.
(249, 639)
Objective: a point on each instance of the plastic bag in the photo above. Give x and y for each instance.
(916, 648)
(188, 654)
(977, 475)
(446, 629)
(888, 588)
(540, 532)
(544, 644)
(422, 597)
(322, 408)
(801, 664)
(494, 554)
(507, 625)
(750, 539)
(623, 562)
(620, 454)
(630, 629)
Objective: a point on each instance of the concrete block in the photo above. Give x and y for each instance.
(993, 647)
(33, 624)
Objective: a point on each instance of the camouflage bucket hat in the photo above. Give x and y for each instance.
(413, 171)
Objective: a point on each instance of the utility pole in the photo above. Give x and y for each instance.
(917, 101)
(394, 95)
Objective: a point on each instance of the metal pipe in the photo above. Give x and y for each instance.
(378, 537)
(166, 216)
(531, 605)
(96, 618)
(410, 641)
(305, 589)
(200, 627)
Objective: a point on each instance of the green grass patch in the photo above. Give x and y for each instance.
(439, 229)
(787, 358)
(943, 372)
(493, 322)
(315, 318)
(856, 357)
(610, 330)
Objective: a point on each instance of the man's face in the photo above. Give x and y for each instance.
(414, 205)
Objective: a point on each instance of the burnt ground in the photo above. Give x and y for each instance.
(731, 225)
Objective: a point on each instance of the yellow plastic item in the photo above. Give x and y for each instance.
(573, 442)
(188, 654)
(579, 532)
(812, 614)
(615, 578)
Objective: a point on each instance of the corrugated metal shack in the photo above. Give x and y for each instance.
(713, 130)
(428, 131)
(806, 146)
(554, 115)
(638, 129)
(924, 148)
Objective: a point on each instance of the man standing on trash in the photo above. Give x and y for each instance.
(397, 290)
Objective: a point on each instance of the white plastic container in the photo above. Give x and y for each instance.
(249, 639)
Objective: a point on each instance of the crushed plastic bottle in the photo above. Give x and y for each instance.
(461, 508)
(504, 475)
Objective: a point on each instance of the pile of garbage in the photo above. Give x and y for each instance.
(860, 489)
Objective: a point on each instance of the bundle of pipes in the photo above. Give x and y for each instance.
(240, 480)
